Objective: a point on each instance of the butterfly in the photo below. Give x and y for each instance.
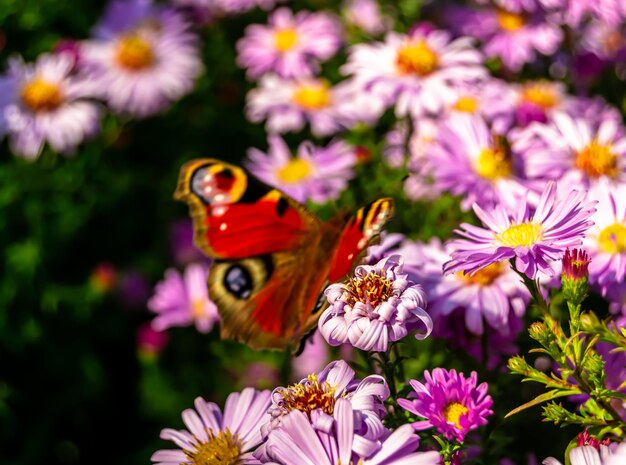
(272, 256)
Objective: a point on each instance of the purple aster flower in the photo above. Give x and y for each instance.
(570, 12)
(512, 36)
(491, 294)
(289, 45)
(230, 436)
(449, 402)
(606, 240)
(181, 300)
(389, 242)
(379, 305)
(574, 150)
(289, 105)
(417, 73)
(536, 238)
(366, 15)
(604, 40)
(471, 161)
(300, 440)
(591, 455)
(315, 173)
(318, 395)
(143, 58)
(46, 102)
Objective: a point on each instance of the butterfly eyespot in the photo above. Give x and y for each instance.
(217, 184)
(238, 281)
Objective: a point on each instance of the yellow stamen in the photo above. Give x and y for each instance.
(493, 163)
(197, 308)
(312, 96)
(540, 93)
(285, 39)
(134, 53)
(372, 288)
(612, 239)
(41, 95)
(466, 104)
(484, 276)
(510, 21)
(221, 449)
(309, 396)
(517, 235)
(416, 58)
(453, 412)
(597, 160)
(294, 171)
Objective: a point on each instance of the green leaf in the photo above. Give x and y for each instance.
(550, 395)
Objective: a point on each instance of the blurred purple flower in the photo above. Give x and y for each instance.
(134, 289)
(379, 305)
(449, 402)
(150, 341)
(366, 15)
(290, 45)
(313, 358)
(181, 300)
(182, 246)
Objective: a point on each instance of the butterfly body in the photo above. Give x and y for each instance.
(272, 256)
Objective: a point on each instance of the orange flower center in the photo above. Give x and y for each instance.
(134, 53)
(41, 95)
(285, 39)
(510, 21)
(416, 58)
(372, 288)
(484, 276)
(312, 96)
(541, 94)
(309, 396)
(597, 160)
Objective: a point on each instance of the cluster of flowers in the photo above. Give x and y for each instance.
(327, 418)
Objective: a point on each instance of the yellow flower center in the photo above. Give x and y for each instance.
(309, 396)
(372, 288)
(466, 104)
(484, 276)
(510, 21)
(597, 160)
(294, 171)
(416, 58)
(453, 412)
(134, 53)
(493, 163)
(518, 235)
(312, 96)
(613, 239)
(197, 308)
(285, 39)
(41, 95)
(223, 449)
(541, 94)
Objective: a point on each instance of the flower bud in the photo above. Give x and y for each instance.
(574, 276)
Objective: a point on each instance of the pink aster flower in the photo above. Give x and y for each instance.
(317, 396)
(366, 15)
(181, 300)
(570, 12)
(289, 45)
(418, 73)
(231, 435)
(470, 160)
(46, 102)
(592, 455)
(536, 238)
(604, 40)
(143, 58)
(606, 240)
(300, 440)
(575, 151)
(313, 358)
(315, 173)
(449, 402)
(379, 305)
(513, 36)
(492, 294)
(289, 105)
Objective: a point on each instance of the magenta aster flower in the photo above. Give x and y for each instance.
(379, 305)
(536, 238)
(492, 294)
(449, 402)
(213, 437)
(181, 300)
(289, 45)
(44, 103)
(471, 161)
(417, 73)
(575, 150)
(315, 173)
(513, 36)
(300, 441)
(317, 395)
(143, 58)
